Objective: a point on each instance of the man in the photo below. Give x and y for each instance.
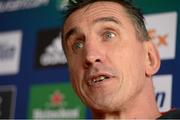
(111, 58)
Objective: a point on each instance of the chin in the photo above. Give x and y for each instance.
(104, 106)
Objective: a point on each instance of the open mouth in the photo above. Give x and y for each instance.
(98, 79)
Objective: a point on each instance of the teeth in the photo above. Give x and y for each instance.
(98, 79)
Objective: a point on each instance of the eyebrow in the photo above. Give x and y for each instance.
(70, 33)
(107, 19)
(98, 20)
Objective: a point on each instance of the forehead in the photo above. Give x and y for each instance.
(93, 11)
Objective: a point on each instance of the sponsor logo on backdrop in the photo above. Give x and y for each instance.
(14, 5)
(163, 90)
(162, 30)
(49, 49)
(7, 101)
(62, 4)
(55, 102)
(10, 48)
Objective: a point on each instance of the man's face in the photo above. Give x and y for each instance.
(106, 60)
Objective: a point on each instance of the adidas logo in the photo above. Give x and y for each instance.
(53, 54)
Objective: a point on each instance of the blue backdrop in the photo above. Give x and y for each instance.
(29, 55)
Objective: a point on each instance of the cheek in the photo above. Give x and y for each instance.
(75, 81)
(74, 65)
(134, 65)
(130, 63)
(76, 73)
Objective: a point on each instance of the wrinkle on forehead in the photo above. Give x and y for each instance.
(96, 9)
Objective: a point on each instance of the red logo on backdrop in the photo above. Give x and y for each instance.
(57, 98)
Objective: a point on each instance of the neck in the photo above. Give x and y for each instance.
(140, 107)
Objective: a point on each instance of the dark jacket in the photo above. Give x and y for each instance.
(172, 114)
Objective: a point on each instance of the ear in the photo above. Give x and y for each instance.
(152, 60)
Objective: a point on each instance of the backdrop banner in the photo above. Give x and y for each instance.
(34, 78)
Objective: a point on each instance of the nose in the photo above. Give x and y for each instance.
(93, 54)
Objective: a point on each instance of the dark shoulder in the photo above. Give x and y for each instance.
(172, 114)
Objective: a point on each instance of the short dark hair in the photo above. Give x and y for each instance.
(134, 13)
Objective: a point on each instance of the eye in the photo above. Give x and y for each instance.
(78, 45)
(109, 35)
